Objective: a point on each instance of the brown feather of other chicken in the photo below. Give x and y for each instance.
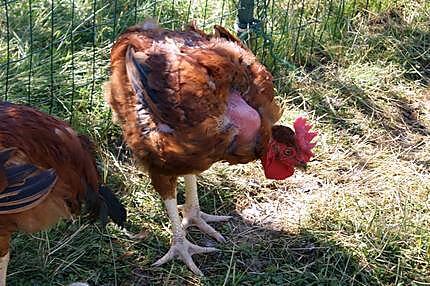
(186, 100)
(47, 171)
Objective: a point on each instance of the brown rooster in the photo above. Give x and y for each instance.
(186, 100)
(46, 172)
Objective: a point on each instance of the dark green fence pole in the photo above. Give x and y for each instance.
(204, 16)
(115, 10)
(245, 16)
(51, 56)
(72, 51)
(135, 12)
(8, 50)
(30, 63)
(222, 12)
(190, 3)
(93, 58)
(246, 22)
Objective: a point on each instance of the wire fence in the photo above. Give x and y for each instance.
(54, 54)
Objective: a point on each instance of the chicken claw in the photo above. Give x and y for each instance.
(194, 217)
(183, 249)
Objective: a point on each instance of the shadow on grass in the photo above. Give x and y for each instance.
(394, 113)
(408, 45)
(259, 256)
(253, 254)
(404, 119)
(387, 37)
(414, 55)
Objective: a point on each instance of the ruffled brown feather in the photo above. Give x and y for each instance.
(169, 90)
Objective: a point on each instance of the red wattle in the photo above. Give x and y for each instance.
(273, 168)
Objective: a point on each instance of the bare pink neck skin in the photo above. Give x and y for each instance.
(245, 118)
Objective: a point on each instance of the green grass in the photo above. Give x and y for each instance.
(360, 214)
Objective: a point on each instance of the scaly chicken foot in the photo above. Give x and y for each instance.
(184, 250)
(192, 216)
(181, 248)
(4, 261)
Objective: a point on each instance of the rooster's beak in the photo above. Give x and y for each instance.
(302, 166)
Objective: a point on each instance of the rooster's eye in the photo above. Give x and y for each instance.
(288, 152)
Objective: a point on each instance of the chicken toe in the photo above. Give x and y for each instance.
(194, 217)
(184, 250)
(181, 248)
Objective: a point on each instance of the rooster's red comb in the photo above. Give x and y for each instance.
(304, 137)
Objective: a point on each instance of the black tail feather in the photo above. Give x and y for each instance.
(115, 210)
(106, 205)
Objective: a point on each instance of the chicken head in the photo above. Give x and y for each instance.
(288, 149)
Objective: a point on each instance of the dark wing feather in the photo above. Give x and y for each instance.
(16, 174)
(5, 154)
(139, 74)
(24, 185)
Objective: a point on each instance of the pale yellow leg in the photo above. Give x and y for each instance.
(4, 261)
(191, 211)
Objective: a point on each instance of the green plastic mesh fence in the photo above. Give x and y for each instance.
(54, 54)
